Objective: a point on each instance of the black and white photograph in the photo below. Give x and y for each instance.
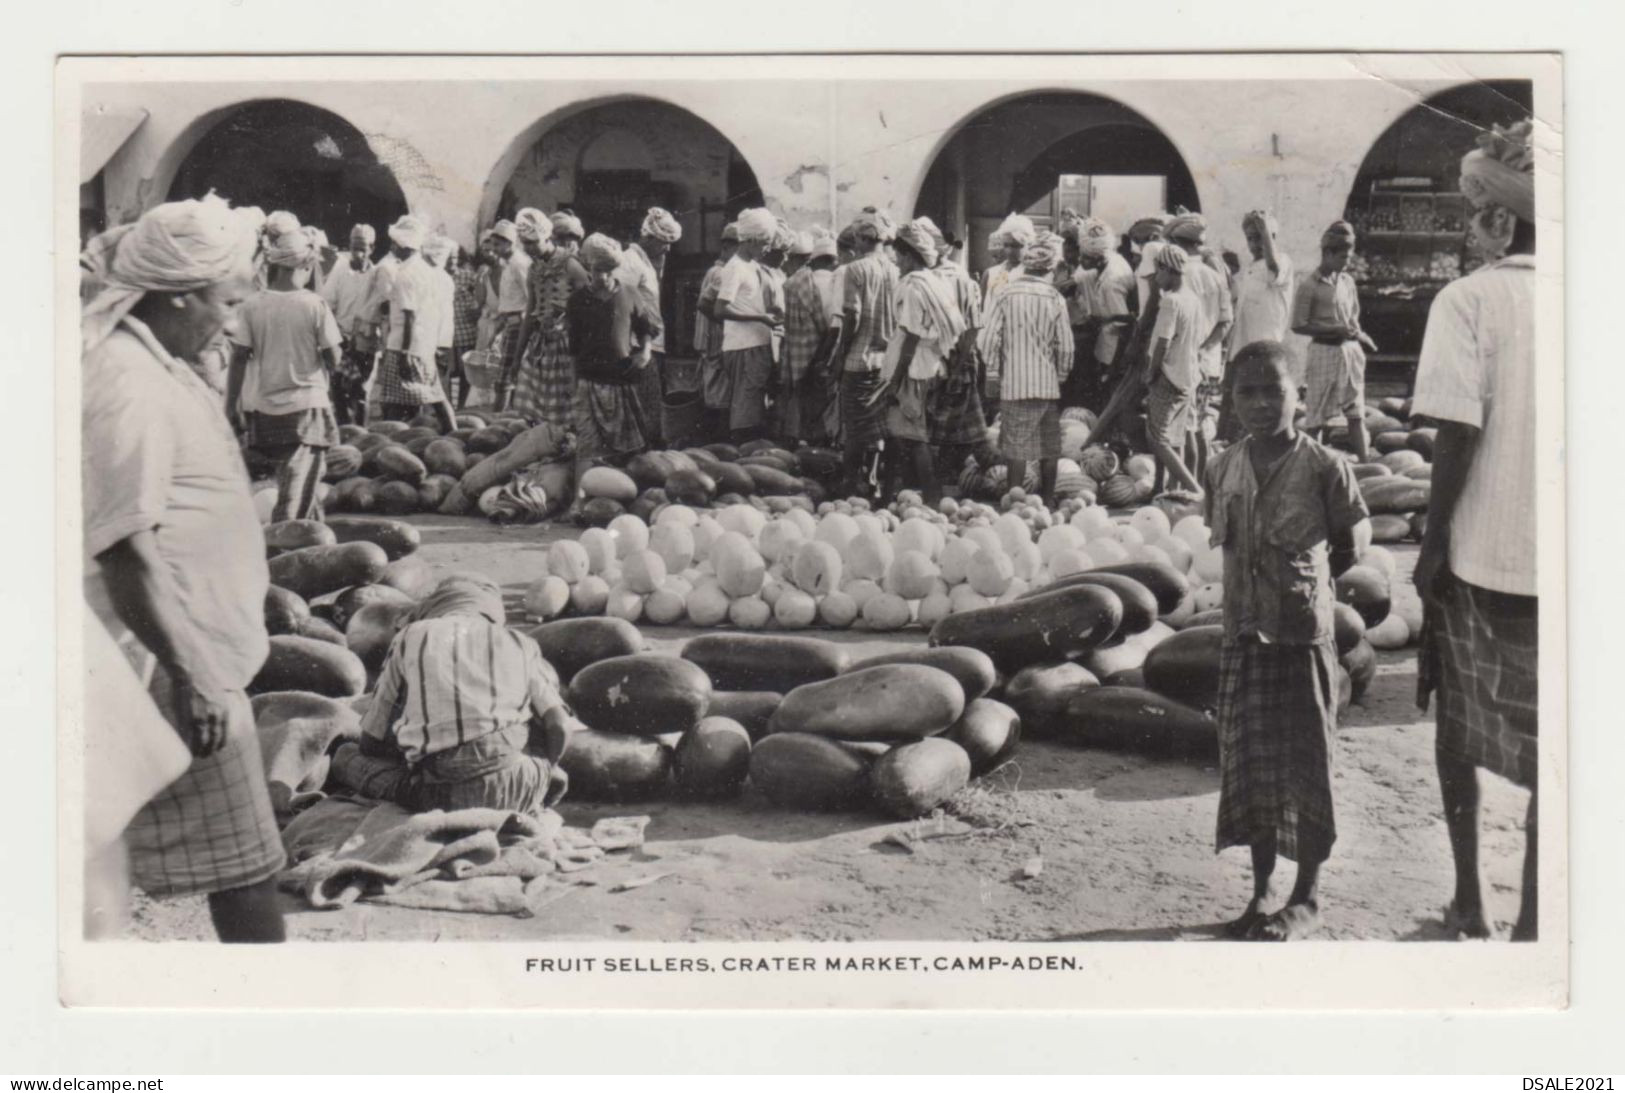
(741, 510)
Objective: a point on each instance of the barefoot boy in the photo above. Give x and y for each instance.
(1287, 512)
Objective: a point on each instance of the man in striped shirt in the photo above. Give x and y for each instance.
(467, 713)
(1027, 344)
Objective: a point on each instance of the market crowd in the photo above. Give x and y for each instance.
(209, 329)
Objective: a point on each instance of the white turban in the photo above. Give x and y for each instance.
(914, 236)
(660, 224)
(366, 231)
(408, 232)
(504, 229)
(600, 252)
(181, 246)
(1171, 259)
(1042, 253)
(783, 238)
(1071, 223)
(1095, 237)
(1501, 171)
(758, 224)
(287, 243)
(532, 224)
(1186, 228)
(1018, 229)
(876, 223)
(437, 247)
(568, 223)
(803, 243)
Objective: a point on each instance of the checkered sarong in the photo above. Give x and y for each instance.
(213, 828)
(544, 386)
(863, 407)
(608, 420)
(1030, 428)
(405, 380)
(955, 407)
(1335, 378)
(1488, 685)
(1277, 713)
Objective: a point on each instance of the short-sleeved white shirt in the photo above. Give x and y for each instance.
(285, 334)
(513, 286)
(1180, 316)
(1263, 303)
(345, 289)
(1478, 368)
(637, 271)
(413, 289)
(445, 302)
(159, 456)
(1212, 289)
(741, 284)
(1110, 291)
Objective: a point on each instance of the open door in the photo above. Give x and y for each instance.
(1120, 200)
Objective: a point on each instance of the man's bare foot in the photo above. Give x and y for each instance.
(1247, 923)
(1461, 924)
(1290, 923)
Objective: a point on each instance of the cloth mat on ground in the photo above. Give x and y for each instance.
(295, 729)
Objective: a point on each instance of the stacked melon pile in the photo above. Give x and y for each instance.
(1397, 482)
(340, 591)
(794, 719)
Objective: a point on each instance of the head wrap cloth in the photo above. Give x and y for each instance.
(532, 224)
(1186, 228)
(504, 229)
(1017, 229)
(408, 232)
(437, 247)
(660, 224)
(180, 246)
(462, 594)
(599, 252)
(1095, 237)
(1340, 233)
(287, 243)
(568, 223)
(916, 238)
(757, 225)
(366, 231)
(1171, 259)
(1042, 253)
(876, 224)
(1501, 171)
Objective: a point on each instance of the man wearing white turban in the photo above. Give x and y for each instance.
(747, 333)
(1207, 279)
(1173, 366)
(955, 410)
(1326, 310)
(345, 289)
(929, 327)
(1007, 243)
(642, 266)
(1477, 567)
(519, 244)
(177, 558)
(708, 333)
(440, 252)
(804, 374)
(286, 345)
(408, 380)
(1263, 300)
(868, 319)
(1108, 288)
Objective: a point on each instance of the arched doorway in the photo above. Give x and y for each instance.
(283, 154)
(1408, 212)
(610, 161)
(1044, 152)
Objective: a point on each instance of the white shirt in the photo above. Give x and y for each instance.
(1263, 303)
(445, 302)
(345, 290)
(1478, 368)
(1212, 289)
(513, 287)
(1110, 290)
(638, 272)
(413, 289)
(741, 285)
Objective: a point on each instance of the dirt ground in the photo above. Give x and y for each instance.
(1126, 843)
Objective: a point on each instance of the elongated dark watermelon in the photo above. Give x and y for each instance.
(989, 731)
(569, 645)
(765, 662)
(751, 709)
(647, 694)
(1039, 694)
(971, 667)
(1140, 607)
(1135, 720)
(1185, 667)
(1165, 582)
(1055, 626)
(799, 770)
(607, 766)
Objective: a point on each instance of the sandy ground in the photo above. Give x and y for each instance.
(1126, 843)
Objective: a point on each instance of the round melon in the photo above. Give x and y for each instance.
(962, 597)
(609, 483)
(1118, 491)
(911, 575)
(1178, 551)
(600, 547)
(707, 605)
(817, 568)
(837, 609)
(749, 612)
(568, 560)
(1067, 562)
(1026, 560)
(589, 595)
(1012, 532)
(674, 543)
(623, 603)
(643, 571)
(630, 534)
(868, 556)
(706, 531)
(1207, 597)
(680, 515)
(1105, 551)
(1208, 564)
(794, 609)
(742, 520)
(919, 535)
(933, 608)
(1053, 540)
(837, 529)
(740, 569)
(778, 538)
(1093, 521)
(954, 563)
(1151, 522)
(860, 590)
(547, 598)
(886, 612)
(664, 606)
(990, 573)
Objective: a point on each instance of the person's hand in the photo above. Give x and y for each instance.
(204, 717)
(1432, 563)
(1365, 340)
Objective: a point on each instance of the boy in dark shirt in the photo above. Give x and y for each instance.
(1287, 512)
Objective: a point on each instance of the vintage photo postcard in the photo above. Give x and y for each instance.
(1044, 532)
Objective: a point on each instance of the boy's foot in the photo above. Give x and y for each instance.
(1459, 924)
(1291, 923)
(1249, 921)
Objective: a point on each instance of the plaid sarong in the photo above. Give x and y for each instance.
(748, 373)
(213, 828)
(405, 380)
(1488, 646)
(1277, 713)
(954, 410)
(863, 409)
(1030, 428)
(608, 420)
(906, 417)
(544, 389)
(1335, 377)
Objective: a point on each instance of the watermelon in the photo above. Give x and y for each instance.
(989, 731)
(309, 664)
(615, 767)
(570, 645)
(887, 702)
(798, 770)
(1137, 720)
(912, 779)
(712, 759)
(646, 694)
(971, 667)
(1039, 694)
(752, 662)
(752, 710)
(1185, 667)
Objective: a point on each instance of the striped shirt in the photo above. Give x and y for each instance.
(457, 678)
(1027, 341)
(1478, 368)
(869, 304)
(805, 319)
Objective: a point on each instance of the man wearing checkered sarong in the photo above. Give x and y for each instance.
(1286, 512)
(1476, 570)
